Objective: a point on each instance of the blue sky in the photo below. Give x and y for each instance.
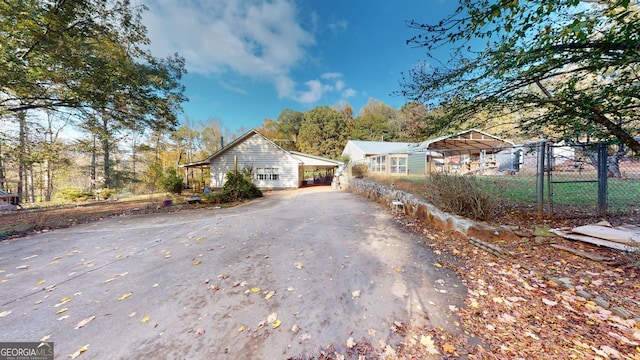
(250, 59)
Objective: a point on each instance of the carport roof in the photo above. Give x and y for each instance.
(317, 161)
(464, 140)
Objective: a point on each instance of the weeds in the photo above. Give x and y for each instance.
(461, 195)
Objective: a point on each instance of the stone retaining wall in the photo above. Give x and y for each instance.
(419, 209)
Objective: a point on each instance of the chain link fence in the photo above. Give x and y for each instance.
(552, 180)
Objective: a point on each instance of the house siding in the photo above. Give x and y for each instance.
(255, 152)
(355, 154)
(416, 165)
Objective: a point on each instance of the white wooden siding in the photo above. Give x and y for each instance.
(256, 152)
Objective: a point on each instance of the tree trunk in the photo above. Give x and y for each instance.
(31, 185)
(105, 138)
(93, 164)
(48, 183)
(22, 145)
(613, 160)
(2, 178)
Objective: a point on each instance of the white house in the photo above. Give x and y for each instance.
(271, 166)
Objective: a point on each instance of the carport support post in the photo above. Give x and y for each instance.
(602, 179)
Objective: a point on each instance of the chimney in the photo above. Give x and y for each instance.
(221, 142)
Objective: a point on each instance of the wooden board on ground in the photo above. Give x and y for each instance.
(626, 237)
(584, 254)
(593, 240)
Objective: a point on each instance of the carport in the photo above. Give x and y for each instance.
(466, 152)
(316, 170)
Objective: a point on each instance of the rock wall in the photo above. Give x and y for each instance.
(419, 209)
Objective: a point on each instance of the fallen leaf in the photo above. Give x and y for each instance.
(63, 317)
(201, 331)
(62, 310)
(304, 337)
(295, 329)
(355, 294)
(108, 280)
(155, 285)
(5, 313)
(290, 288)
(351, 343)
(427, 341)
(299, 265)
(197, 262)
(45, 338)
(508, 318)
(255, 289)
(549, 302)
(132, 314)
(448, 348)
(276, 324)
(223, 276)
(241, 328)
(145, 320)
(438, 265)
(271, 318)
(79, 352)
(40, 282)
(84, 322)
(64, 300)
(270, 295)
(118, 256)
(125, 296)
(22, 267)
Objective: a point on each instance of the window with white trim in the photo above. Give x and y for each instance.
(267, 174)
(379, 163)
(398, 165)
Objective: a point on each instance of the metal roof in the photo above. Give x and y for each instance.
(472, 139)
(380, 147)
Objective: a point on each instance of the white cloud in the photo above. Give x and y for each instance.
(255, 38)
(260, 39)
(348, 93)
(314, 90)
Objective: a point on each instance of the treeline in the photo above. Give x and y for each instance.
(324, 130)
(47, 155)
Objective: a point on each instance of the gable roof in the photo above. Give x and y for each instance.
(231, 145)
(302, 158)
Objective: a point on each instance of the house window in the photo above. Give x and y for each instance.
(267, 174)
(379, 164)
(398, 165)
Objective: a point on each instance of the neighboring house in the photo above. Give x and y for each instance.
(271, 166)
(466, 151)
(8, 201)
(359, 150)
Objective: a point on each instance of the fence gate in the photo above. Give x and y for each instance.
(572, 175)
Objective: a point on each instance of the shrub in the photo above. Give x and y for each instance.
(172, 182)
(238, 187)
(359, 170)
(460, 195)
(72, 193)
(105, 193)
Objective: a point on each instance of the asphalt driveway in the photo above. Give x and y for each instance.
(282, 276)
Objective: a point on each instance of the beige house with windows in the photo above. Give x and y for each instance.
(271, 166)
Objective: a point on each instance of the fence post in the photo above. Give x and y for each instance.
(540, 178)
(602, 179)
